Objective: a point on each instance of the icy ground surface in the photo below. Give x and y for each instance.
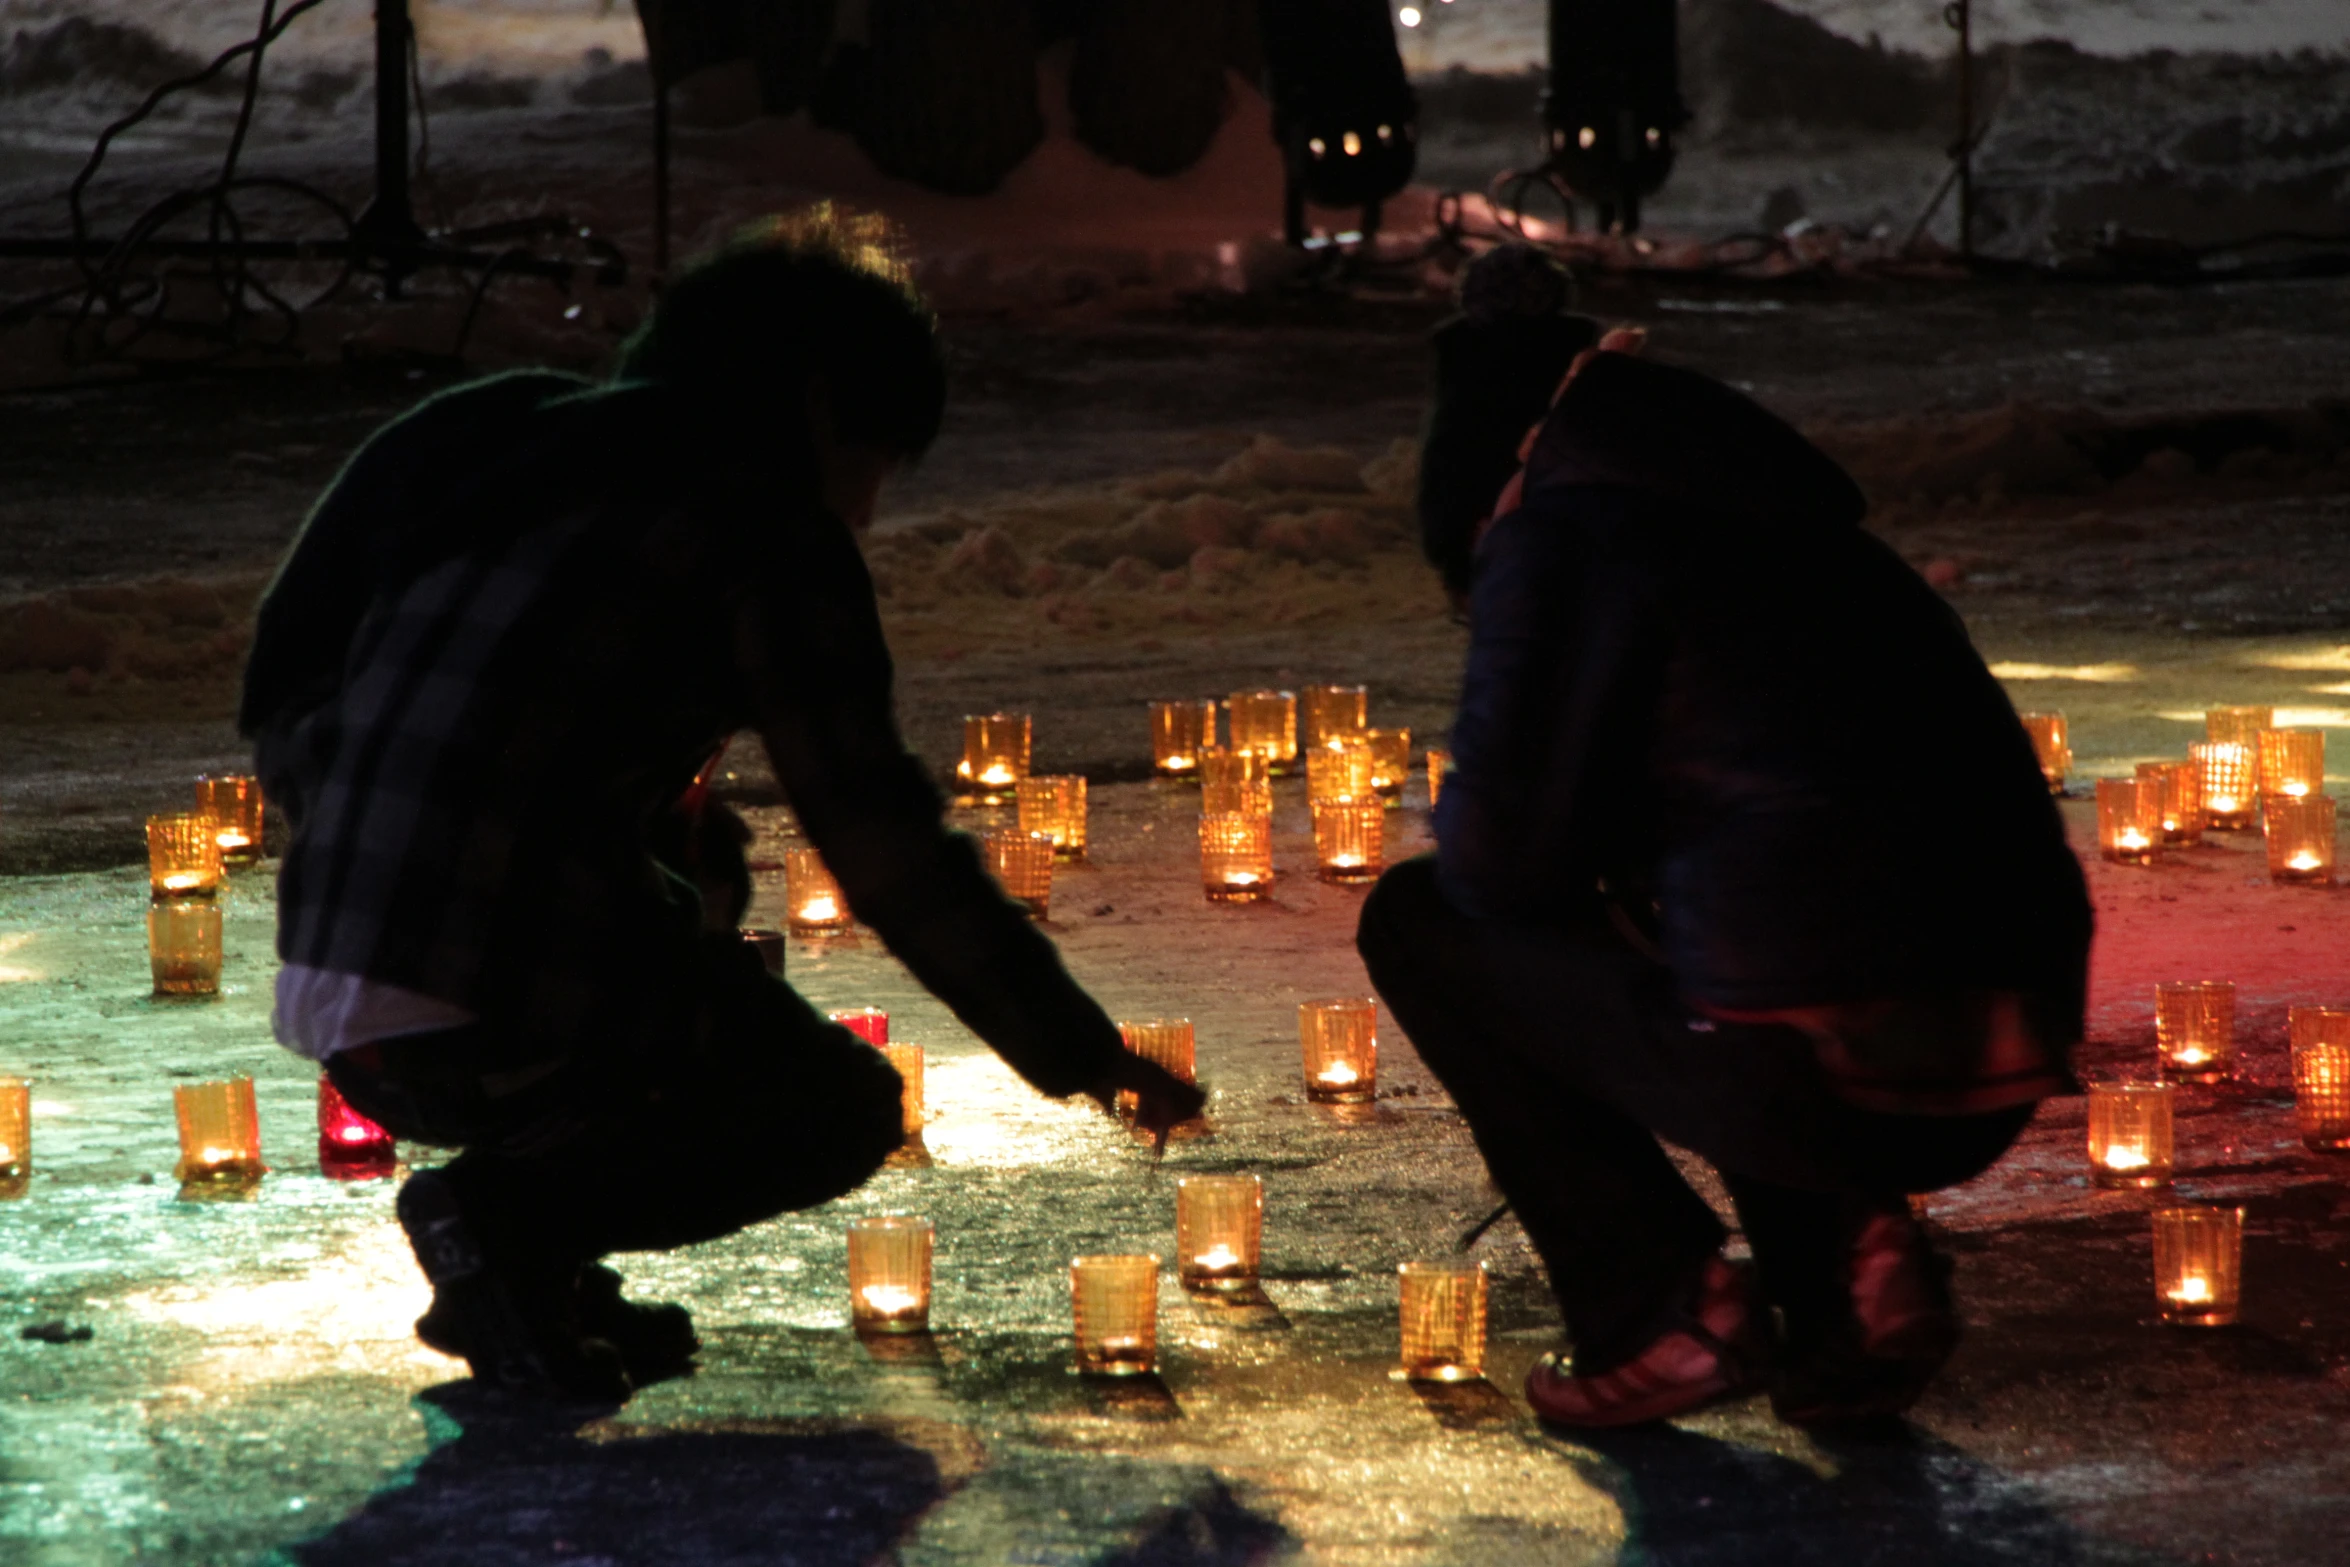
(251, 1391)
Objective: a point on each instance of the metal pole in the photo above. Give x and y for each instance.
(388, 228)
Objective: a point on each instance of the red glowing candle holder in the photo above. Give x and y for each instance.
(350, 1146)
(870, 1024)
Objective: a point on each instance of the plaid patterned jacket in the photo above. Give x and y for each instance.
(477, 783)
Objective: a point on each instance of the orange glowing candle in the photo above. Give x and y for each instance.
(2292, 762)
(1350, 838)
(1329, 713)
(1023, 864)
(2299, 834)
(2198, 1265)
(2129, 820)
(2320, 1038)
(233, 802)
(1054, 804)
(1340, 1042)
(1219, 1230)
(2227, 777)
(995, 756)
(1115, 1304)
(2195, 1030)
(2052, 745)
(1235, 856)
(2130, 1134)
(1443, 1319)
(889, 1273)
(183, 946)
(183, 856)
(1264, 722)
(1180, 731)
(2182, 799)
(812, 901)
(220, 1133)
(16, 1136)
(1439, 763)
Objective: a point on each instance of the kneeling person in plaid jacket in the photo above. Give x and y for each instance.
(524, 619)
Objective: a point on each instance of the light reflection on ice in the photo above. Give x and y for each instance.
(982, 1114)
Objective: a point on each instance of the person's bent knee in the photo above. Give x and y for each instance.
(1396, 914)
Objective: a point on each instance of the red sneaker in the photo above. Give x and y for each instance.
(1716, 1352)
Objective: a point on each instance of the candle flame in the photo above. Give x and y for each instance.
(2129, 838)
(1177, 764)
(1240, 878)
(819, 909)
(1345, 861)
(2306, 860)
(2224, 803)
(2194, 1289)
(2124, 1157)
(1339, 1073)
(2296, 789)
(2192, 1055)
(7, 1156)
(996, 773)
(890, 1300)
(181, 881)
(1218, 1258)
(230, 838)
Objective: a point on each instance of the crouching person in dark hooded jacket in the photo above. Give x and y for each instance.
(517, 628)
(1743, 849)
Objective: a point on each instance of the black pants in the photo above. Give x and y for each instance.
(755, 1105)
(1569, 1054)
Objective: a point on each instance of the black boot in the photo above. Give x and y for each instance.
(655, 1342)
(515, 1323)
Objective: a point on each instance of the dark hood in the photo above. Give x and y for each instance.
(1687, 438)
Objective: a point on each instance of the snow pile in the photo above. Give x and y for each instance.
(160, 628)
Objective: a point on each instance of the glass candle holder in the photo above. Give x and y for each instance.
(350, 1146)
(1023, 863)
(2293, 762)
(233, 801)
(183, 856)
(2300, 833)
(2198, 1265)
(1264, 722)
(1340, 1040)
(812, 900)
(1235, 856)
(2182, 799)
(1327, 713)
(2237, 725)
(1054, 805)
(995, 756)
(1339, 770)
(2195, 1030)
(2226, 778)
(1163, 1041)
(870, 1024)
(183, 946)
(1439, 763)
(2321, 1076)
(769, 945)
(2052, 744)
(1223, 767)
(220, 1133)
(1391, 762)
(2130, 1134)
(16, 1135)
(1180, 731)
(1247, 797)
(1350, 838)
(1115, 1303)
(913, 1111)
(1443, 1310)
(1219, 1230)
(2129, 820)
(889, 1273)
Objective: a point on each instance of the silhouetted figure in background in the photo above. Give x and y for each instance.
(521, 623)
(1745, 849)
(1498, 364)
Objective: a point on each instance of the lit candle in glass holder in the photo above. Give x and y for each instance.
(1328, 713)
(995, 756)
(1350, 838)
(2300, 837)
(220, 1133)
(2321, 1076)
(2130, 1134)
(1391, 761)
(1054, 804)
(2237, 725)
(1340, 770)
(1439, 763)
(183, 856)
(1264, 722)
(1340, 1040)
(350, 1146)
(1115, 1302)
(2182, 799)
(1234, 782)
(2198, 1265)
(16, 1136)
(2195, 1030)
(233, 802)
(1443, 1310)
(2226, 776)
(1180, 731)
(1023, 863)
(1219, 1230)
(1163, 1041)
(870, 1024)
(889, 1273)
(1235, 856)
(183, 946)
(2292, 762)
(812, 900)
(2129, 820)
(2052, 745)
